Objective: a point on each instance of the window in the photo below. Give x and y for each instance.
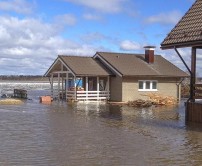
(147, 85)
(141, 84)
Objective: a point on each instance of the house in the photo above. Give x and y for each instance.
(187, 33)
(115, 76)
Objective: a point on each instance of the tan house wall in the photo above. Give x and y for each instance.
(165, 86)
(116, 88)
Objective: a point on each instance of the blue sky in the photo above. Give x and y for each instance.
(34, 32)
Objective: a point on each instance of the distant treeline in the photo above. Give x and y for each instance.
(23, 77)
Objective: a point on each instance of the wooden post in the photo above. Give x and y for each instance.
(193, 74)
(98, 88)
(58, 86)
(62, 95)
(67, 84)
(108, 87)
(86, 88)
(179, 92)
(52, 86)
(75, 95)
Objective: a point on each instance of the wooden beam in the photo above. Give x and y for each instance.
(86, 87)
(108, 86)
(197, 97)
(67, 85)
(98, 87)
(52, 85)
(198, 85)
(75, 89)
(58, 86)
(182, 60)
(193, 73)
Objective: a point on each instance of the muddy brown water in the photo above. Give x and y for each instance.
(72, 134)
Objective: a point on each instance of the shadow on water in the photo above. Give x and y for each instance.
(172, 116)
(114, 112)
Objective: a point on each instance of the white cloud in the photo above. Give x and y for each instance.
(66, 19)
(89, 16)
(128, 45)
(29, 46)
(93, 37)
(19, 6)
(165, 18)
(106, 6)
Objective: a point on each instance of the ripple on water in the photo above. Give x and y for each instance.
(96, 134)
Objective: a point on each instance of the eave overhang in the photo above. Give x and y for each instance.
(197, 44)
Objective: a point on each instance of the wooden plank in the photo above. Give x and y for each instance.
(197, 97)
(198, 91)
(194, 111)
(198, 85)
(92, 98)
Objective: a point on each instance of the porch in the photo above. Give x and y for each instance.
(65, 86)
(78, 78)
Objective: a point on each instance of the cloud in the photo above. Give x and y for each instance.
(93, 37)
(172, 56)
(18, 6)
(93, 17)
(105, 6)
(66, 19)
(29, 46)
(165, 18)
(128, 45)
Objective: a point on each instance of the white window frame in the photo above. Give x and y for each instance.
(144, 85)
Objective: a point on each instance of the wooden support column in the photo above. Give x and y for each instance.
(58, 86)
(62, 95)
(86, 88)
(193, 74)
(51, 80)
(98, 87)
(62, 87)
(67, 85)
(108, 87)
(75, 93)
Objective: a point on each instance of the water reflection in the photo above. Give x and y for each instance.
(97, 134)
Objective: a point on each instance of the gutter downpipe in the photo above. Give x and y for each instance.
(190, 97)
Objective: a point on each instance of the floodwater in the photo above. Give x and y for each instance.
(93, 134)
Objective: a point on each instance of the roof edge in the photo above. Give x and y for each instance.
(111, 67)
(46, 73)
(181, 45)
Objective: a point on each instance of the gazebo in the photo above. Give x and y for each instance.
(188, 33)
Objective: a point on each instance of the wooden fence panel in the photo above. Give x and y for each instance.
(194, 112)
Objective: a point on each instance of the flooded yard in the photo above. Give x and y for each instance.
(96, 134)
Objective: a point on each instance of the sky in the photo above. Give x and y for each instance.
(34, 32)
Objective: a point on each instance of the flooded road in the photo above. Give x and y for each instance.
(72, 134)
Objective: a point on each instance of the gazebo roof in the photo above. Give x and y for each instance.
(188, 31)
